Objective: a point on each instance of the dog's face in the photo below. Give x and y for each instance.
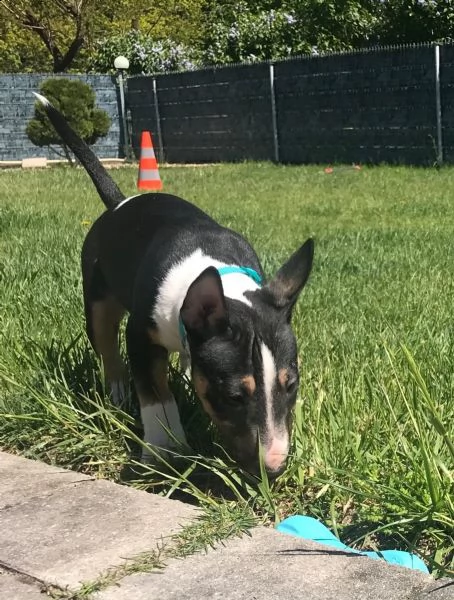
(244, 361)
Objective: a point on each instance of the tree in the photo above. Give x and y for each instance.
(76, 101)
(242, 30)
(20, 50)
(237, 32)
(336, 25)
(65, 27)
(145, 54)
(62, 35)
(61, 25)
(415, 21)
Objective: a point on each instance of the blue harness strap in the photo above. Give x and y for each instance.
(222, 271)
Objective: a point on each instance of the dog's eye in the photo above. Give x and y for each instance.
(236, 399)
(234, 334)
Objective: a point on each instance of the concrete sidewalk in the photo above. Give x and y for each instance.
(63, 529)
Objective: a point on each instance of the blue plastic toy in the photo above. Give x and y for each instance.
(311, 529)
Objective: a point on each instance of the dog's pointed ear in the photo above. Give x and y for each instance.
(286, 285)
(204, 312)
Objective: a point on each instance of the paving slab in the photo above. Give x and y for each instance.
(23, 480)
(63, 528)
(18, 587)
(270, 565)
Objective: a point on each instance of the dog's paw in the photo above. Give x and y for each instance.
(147, 458)
(162, 425)
(164, 448)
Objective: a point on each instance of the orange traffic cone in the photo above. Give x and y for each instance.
(148, 167)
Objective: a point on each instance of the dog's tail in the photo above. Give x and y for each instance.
(108, 190)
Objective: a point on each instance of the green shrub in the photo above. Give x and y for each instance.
(145, 54)
(252, 35)
(76, 101)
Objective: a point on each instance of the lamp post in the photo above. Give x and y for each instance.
(121, 63)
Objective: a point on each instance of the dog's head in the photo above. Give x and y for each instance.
(244, 360)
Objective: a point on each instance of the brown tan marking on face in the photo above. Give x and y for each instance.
(201, 387)
(283, 377)
(249, 384)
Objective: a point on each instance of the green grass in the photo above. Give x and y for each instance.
(372, 450)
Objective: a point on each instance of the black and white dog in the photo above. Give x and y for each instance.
(194, 287)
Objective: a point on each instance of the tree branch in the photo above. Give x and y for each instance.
(32, 22)
(65, 60)
(15, 11)
(70, 9)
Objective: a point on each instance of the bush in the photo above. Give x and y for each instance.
(76, 101)
(248, 35)
(145, 54)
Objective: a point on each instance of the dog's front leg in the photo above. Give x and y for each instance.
(159, 411)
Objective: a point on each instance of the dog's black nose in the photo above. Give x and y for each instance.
(275, 473)
(272, 474)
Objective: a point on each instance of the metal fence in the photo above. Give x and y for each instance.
(383, 105)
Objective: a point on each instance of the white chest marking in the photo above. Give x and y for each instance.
(175, 286)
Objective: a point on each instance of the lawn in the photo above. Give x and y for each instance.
(372, 452)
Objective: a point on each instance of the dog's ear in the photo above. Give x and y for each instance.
(283, 290)
(204, 312)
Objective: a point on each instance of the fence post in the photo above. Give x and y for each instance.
(122, 85)
(438, 106)
(158, 122)
(274, 115)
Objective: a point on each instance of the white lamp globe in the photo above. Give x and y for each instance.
(121, 63)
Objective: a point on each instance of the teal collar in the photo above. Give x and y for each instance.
(245, 270)
(222, 271)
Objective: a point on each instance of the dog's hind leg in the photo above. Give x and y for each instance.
(103, 314)
(149, 365)
(106, 316)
